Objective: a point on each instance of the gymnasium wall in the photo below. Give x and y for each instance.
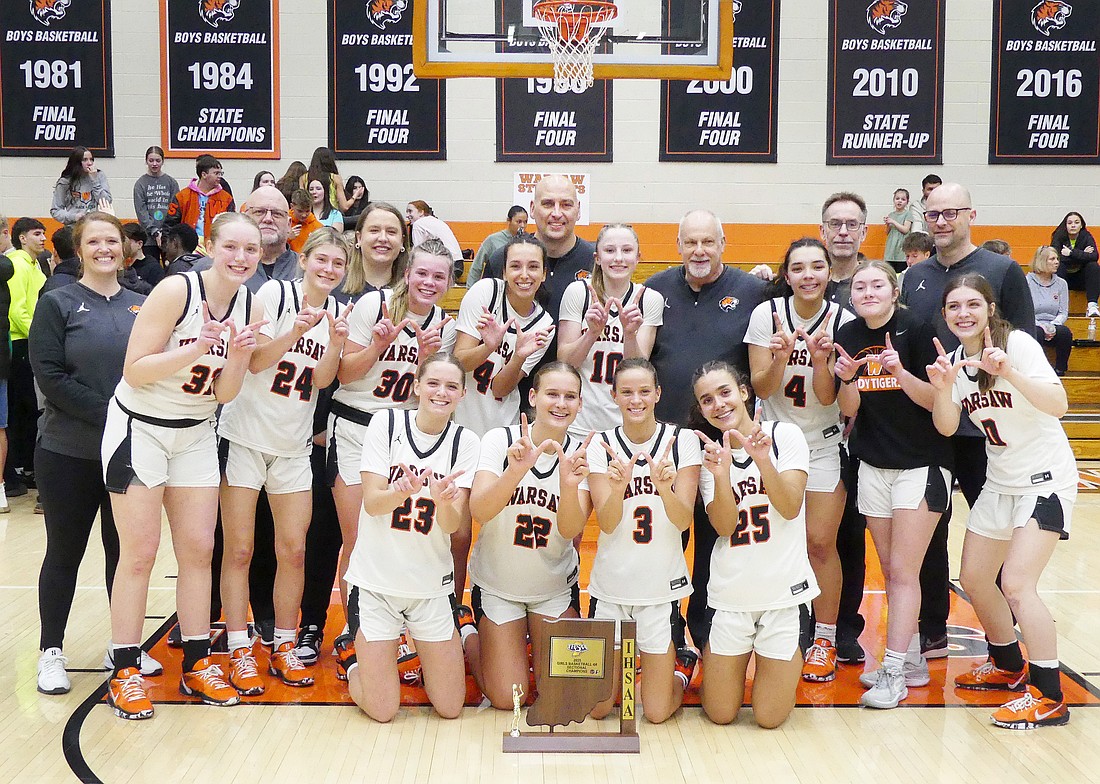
(762, 204)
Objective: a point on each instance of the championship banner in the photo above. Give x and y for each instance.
(55, 77)
(885, 82)
(734, 121)
(378, 108)
(1046, 82)
(221, 78)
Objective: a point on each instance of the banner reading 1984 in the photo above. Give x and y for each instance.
(735, 120)
(885, 82)
(378, 108)
(221, 76)
(1046, 82)
(55, 77)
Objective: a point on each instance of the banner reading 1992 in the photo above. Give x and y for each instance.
(885, 82)
(734, 120)
(55, 77)
(378, 108)
(221, 76)
(1046, 82)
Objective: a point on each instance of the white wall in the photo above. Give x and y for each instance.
(635, 187)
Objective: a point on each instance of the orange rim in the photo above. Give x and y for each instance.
(573, 25)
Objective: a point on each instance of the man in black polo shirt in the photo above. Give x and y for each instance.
(949, 211)
(554, 209)
(707, 309)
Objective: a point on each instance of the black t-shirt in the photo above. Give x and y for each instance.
(560, 272)
(700, 327)
(892, 431)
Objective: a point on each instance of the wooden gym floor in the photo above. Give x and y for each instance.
(316, 735)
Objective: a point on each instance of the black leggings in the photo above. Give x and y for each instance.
(1086, 279)
(323, 542)
(71, 491)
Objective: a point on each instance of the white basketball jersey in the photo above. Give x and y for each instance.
(763, 565)
(274, 411)
(189, 392)
(1027, 450)
(642, 561)
(480, 410)
(405, 553)
(389, 383)
(795, 400)
(599, 411)
(520, 555)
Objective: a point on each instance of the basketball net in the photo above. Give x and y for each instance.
(569, 30)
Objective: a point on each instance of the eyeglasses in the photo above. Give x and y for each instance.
(835, 224)
(933, 216)
(259, 212)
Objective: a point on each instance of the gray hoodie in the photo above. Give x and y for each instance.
(72, 199)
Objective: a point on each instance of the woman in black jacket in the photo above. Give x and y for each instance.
(1077, 249)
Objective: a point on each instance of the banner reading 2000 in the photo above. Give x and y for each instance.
(885, 82)
(222, 79)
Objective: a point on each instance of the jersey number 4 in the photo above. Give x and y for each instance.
(425, 515)
(285, 382)
(755, 517)
(796, 391)
(531, 532)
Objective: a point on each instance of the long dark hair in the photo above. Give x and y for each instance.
(542, 296)
(321, 168)
(999, 328)
(74, 167)
(696, 420)
(288, 183)
(349, 189)
(1060, 236)
(782, 288)
(327, 205)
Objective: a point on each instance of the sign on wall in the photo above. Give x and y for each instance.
(221, 77)
(55, 77)
(1046, 82)
(733, 120)
(378, 108)
(885, 87)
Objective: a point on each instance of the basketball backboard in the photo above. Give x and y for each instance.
(647, 39)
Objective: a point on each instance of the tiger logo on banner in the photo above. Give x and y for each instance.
(384, 12)
(214, 12)
(883, 15)
(45, 11)
(736, 9)
(1050, 15)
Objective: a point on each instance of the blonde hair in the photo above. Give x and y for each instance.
(1039, 261)
(599, 285)
(326, 235)
(399, 301)
(227, 218)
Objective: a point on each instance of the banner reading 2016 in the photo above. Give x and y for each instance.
(377, 108)
(734, 120)
(222, 79)
(885, 82)
(55, 77)
(1046, 82)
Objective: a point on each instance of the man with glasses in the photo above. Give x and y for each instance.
(202, 200)
(949, 212)
(268, 207)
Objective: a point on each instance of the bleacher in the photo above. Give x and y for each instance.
(1082, 383)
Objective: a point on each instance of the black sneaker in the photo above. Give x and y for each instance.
(684, 668)
(934, 647)
(15, 489)
(265, 630)
(175, 637)
(308, 647)
(849, 651)
(27, 477)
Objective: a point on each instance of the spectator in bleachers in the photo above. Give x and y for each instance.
(1079, 258)
(144, 266)
(424, 224)
(998, 246)
(66, 270)
(81, 188)
(327, 214)
(203, 199)
(1050, 294)
(355, 190)
(153, 192)
(898, 225)
(180, 244)
(517, 222)
(917, 246)
(302, 220)
(263, 178)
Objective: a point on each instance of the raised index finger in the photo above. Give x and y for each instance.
(668, 449)
(703, 437)
(524, 429)
(889, 345)
(637, 300)
(939, 348)
(988, 338)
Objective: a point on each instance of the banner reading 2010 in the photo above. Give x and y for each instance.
(221, 77)
(885, 88)
(1046, 82)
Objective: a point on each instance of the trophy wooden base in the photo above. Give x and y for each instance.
(571, 743)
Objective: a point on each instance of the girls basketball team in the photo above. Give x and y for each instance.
(428, 429)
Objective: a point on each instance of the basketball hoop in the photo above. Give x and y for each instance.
(572, 31)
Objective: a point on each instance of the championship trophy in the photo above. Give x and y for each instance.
(575, 673)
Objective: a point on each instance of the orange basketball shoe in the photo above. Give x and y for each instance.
(820, 664)
(205, 681)
(1031, 711)
(244, 675)
(987, 676)
(286, 666)
(126, 694)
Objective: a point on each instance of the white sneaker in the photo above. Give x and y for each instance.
(52, 678)
(1092, 311)
(888, 691)
(149, 665)
(916, 674)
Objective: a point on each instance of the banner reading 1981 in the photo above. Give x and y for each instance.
(885, 82)
(734, 120)
(222, 79)
(55, 77)
(378, 108)
(1046, 82)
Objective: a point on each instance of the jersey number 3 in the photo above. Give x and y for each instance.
(425, 515)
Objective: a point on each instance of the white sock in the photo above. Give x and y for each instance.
(893, 659)
(237, 640)
(465, 632)
(3, 495)
(284, 635)
(912, 653)
(825, 631)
